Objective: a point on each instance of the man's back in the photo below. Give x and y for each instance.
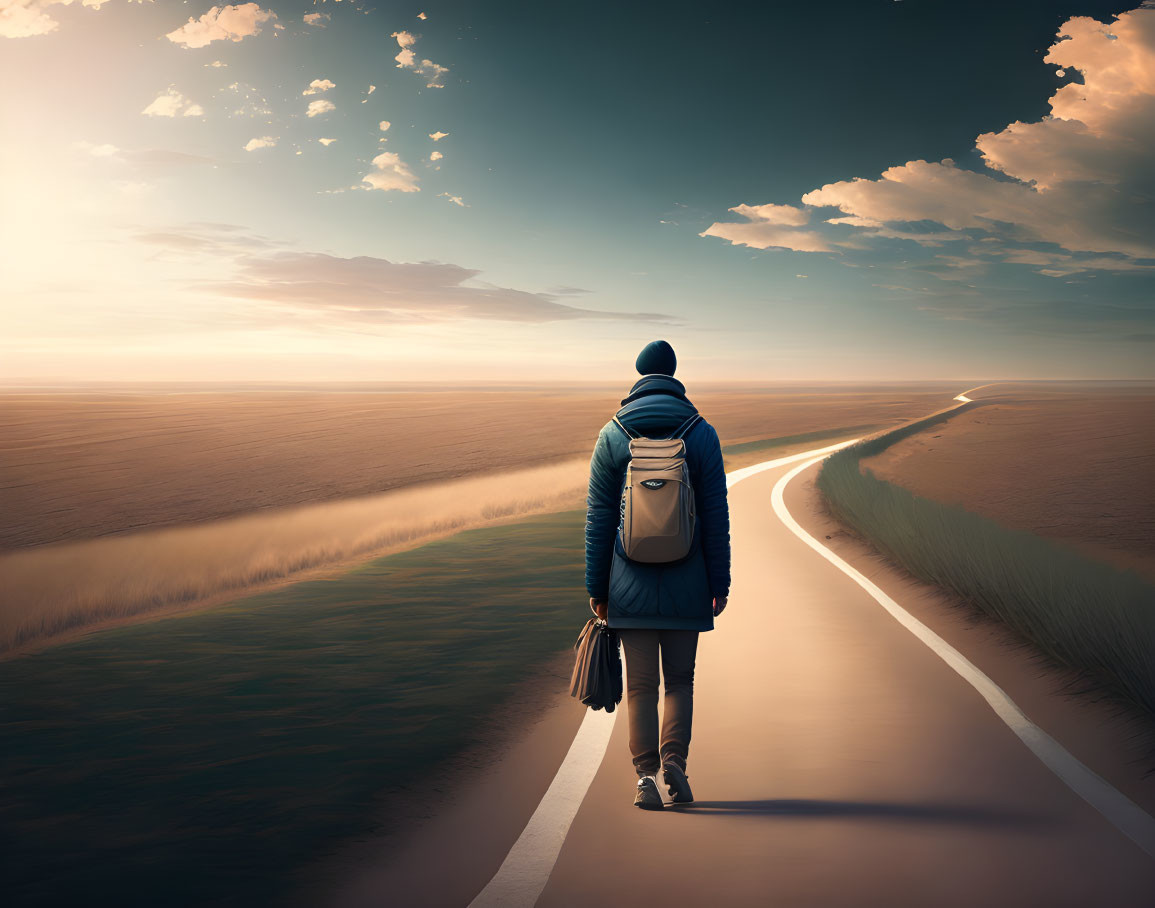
(678, 594)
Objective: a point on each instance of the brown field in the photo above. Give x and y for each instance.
(1074, 463)
(81, 465)
(162, 502)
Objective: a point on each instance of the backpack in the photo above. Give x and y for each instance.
(657, 509)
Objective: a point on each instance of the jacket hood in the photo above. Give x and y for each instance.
(656, 406)
(655, 383)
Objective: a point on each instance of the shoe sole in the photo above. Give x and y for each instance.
(678, 784)
(653, 802)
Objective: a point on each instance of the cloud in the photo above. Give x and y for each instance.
(370, 290)
(456, 200)
(104, 150)
(317, 20)
(391, 174)
(384, 125)
(216, 64)
(770, 226)
(438, 136)
(227, 240)
(28, 18)
(172, 103)
(262, 142)
(319, 85)
(407, 59)
(372, 88)
(326, 142)
(1080, 179)
(316, 108)
(222, 23)
(436, 156)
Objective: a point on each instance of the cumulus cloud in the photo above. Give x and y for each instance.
(316, 108)
(28, 18)
(262, 142)
(366, 289)
(317, 20)
(216, 64)
(326, 142)
(372, 88)
(436, 156)
(172, 103)
(391, 174)
(222, 23)
(384, 125)
(319, 85)
(1080, 179)
(438, 136)
(407, 59)
(454, 199)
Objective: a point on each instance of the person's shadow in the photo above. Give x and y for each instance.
(804, 808)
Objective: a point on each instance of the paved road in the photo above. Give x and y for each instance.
(838, 761)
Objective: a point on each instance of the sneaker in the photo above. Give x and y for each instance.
(647, 796)
(677, 782)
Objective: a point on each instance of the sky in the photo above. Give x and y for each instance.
(346, 190)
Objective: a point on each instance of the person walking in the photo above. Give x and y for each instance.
(658, 608)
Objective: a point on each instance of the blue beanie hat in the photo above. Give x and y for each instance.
(657, 358)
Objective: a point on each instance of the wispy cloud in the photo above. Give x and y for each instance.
(372, 290)
(317, 20)
(222, 23)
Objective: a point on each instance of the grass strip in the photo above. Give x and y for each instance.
(205, 758)
(1081, 613)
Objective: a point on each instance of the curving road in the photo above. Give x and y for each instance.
(843, 754)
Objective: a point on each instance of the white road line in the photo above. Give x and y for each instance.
(524, 872)
(1124, 814)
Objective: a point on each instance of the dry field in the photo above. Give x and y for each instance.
(81, 465)
(1074, 463)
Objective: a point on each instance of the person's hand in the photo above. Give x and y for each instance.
(720, 604)
(600, 607)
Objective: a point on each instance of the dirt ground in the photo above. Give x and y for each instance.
(1075, 464)
(80, 465)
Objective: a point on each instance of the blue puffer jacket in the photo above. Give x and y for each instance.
(667, 596)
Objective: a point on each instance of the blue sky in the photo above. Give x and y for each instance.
(171, 212)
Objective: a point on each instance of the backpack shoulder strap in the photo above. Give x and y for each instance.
(617, 422)
(687, 426)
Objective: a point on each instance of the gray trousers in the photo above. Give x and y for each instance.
(676, 651)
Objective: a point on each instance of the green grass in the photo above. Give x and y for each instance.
(1082, 614)
(748, 453)
(206, 758)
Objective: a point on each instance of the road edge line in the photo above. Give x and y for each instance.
(1119, 810)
